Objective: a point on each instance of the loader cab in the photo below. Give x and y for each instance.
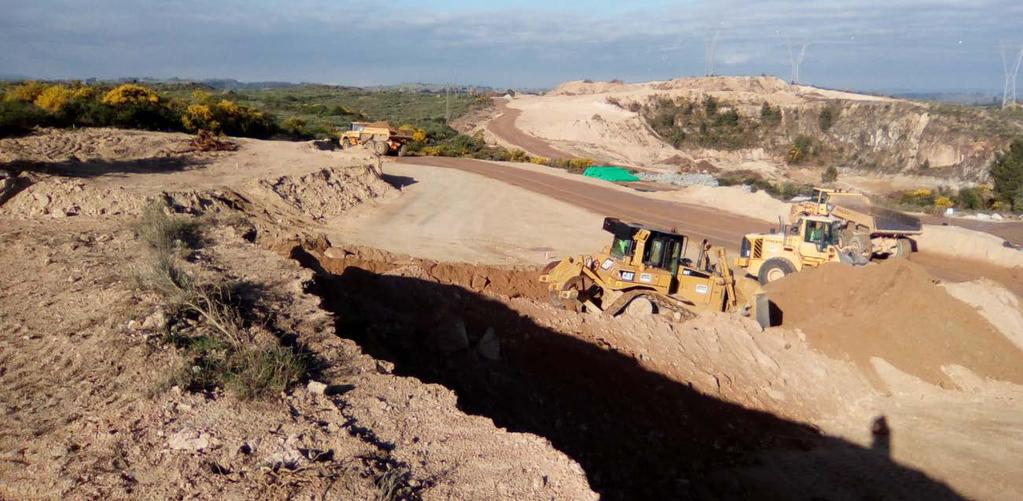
(818, 233)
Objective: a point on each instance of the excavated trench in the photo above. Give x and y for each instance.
(637, 434)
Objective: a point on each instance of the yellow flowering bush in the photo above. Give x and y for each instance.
(54, 98)
(26, 92)
(131, 94)
(199, 117)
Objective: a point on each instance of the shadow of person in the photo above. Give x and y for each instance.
(881, 434)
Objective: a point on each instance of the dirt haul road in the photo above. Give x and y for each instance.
(720, 228)
(504, 127)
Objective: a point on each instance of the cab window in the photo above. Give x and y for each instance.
(621, 247)
(663, 252)
(818, 232)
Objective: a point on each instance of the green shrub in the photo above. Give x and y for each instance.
(830, 175)
(769, 115)
(970, 198)
(1007, 173)
(18, 117)
(826, 119)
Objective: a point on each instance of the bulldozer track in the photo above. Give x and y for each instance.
(662, 303)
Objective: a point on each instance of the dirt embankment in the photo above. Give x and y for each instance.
(895, 311)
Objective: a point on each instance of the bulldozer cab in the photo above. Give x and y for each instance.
(645, 247)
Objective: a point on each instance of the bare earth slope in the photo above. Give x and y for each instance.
(85, 371)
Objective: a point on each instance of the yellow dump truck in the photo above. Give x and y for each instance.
(645, 271)
(379, 137)
(867, 230)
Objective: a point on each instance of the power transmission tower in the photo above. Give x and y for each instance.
(796, 59)
(1011, 70)
(709, 50)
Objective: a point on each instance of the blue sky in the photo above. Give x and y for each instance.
(860, 44)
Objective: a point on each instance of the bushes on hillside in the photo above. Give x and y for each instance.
(130, 105)
(707, 123)
(230, 118)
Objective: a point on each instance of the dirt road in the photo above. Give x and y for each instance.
(427, 221)
(720, 228)
(504, 127)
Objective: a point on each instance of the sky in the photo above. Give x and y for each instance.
(923, 45)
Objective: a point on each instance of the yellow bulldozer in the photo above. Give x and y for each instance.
(379, 137)
(645, 271)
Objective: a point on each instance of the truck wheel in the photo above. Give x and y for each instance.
(857, 243)
(403, 150)
(903, 248)
(346, 143)
(380, 147)
(774, 269)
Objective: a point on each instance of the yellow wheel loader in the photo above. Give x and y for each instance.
(645, 271)
(379, 137)
(810, 242)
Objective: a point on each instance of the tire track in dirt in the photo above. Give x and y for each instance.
(718, 227)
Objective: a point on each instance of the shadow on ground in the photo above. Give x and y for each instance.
(74, 168)
(637, 434)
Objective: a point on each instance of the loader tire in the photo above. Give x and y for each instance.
(903, 248)
(775, 269)
(550, 266)
(403, 150)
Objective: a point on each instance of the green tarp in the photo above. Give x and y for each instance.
(610, 173)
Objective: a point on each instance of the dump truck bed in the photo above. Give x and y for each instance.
(883, 220)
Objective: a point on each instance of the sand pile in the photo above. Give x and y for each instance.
(968, 244)
(894, 311)
(329, 192)
(995, 303)
(65, 197)
(80, 145)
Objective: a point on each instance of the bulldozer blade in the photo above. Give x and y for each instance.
(762, 310)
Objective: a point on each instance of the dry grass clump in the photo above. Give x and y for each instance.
(218, 342)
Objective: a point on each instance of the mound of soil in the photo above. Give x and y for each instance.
(329, 192)
(894, 311)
